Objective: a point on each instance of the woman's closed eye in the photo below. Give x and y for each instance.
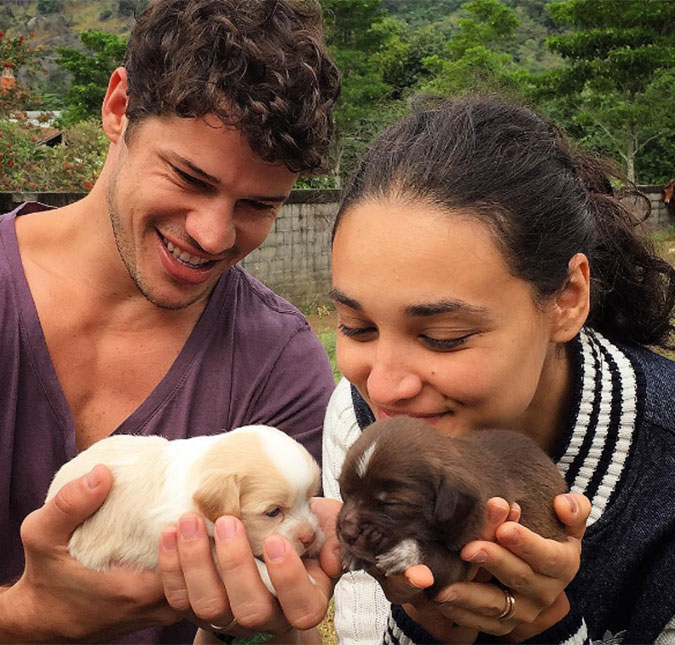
(357, 333)
(444, 344)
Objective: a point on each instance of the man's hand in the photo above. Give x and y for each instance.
(194, 587)
(57, 599)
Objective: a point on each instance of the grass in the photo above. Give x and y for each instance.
(327, 338)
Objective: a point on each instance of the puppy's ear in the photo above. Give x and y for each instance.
(218, 494)
(454, 509)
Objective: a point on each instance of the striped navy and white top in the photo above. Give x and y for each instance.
(619, 451)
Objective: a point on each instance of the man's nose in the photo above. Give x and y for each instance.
(212, 227)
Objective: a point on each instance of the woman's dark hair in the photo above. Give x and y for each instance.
(543, 201)
(259, 65)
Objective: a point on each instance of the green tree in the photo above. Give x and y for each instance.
(353, 36)
(617, 84)
(475, 58)
(90, 73)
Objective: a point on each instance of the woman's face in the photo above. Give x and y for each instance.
(432, 324)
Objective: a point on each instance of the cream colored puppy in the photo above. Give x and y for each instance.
(256, 473)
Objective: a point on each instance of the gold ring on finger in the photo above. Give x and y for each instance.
(226, 628)
(510, 606)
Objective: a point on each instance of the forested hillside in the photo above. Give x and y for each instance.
(604, 69)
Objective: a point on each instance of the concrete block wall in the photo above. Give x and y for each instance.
(294, 260)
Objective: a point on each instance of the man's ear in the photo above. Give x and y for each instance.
(571, 305)
(115, 105)
(218, 494)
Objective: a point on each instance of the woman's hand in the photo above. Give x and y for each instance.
(237, 601)
(534, 569)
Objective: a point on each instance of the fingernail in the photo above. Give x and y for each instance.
(169, 540)
(572, 504)
(511, 538)
(93, 478)
(275, 548)
(478, 557)
(188, 528)
(226, 527)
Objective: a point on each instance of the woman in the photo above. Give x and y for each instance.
(485, 275)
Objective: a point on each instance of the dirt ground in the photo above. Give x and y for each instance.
(324, 321)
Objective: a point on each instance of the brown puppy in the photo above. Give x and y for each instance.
(414, 496)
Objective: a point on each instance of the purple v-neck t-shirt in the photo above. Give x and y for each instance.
(251, 358)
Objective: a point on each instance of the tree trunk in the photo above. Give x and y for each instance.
(630, 156)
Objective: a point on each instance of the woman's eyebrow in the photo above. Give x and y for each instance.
(338, 296)
(420, 310)
(446, 306)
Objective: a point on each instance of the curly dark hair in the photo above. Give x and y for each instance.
(543, 200)
(259, 65)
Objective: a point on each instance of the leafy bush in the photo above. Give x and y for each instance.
(70, 167)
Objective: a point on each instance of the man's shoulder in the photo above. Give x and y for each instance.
(262, 308)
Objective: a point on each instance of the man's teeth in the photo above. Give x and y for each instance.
(184, 256)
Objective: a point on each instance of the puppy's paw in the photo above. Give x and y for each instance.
(395, 561)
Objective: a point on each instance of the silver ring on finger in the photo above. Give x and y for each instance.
(226, 628)
(510, 606)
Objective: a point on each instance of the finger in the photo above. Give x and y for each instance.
(573, 510)
(547, 557)
(173, 581)
(419, 576)
(482, 600)
(550, 616)
(326, 511)
(54, 523)
(442, 629)
(304, 603)
(205, 591)
(497, 511)
(251, 603)
(514, 513)
(514, 572)
(330, 557)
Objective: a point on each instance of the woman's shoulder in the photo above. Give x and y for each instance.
(657, 375)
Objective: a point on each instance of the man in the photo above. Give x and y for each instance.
(124, 312)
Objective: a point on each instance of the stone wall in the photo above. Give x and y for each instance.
(294, 260)
(660, 217)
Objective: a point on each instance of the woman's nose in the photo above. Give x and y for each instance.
(391, 380)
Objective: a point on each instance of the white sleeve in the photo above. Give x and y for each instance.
(361, 608)
(667, 636)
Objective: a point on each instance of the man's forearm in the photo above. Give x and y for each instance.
(11, 611)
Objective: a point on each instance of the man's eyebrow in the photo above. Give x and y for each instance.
(216, 182)
(338, 296)
(445, 307)
(197, 171)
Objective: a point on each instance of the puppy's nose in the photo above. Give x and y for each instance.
(307, 539)
(349, 527)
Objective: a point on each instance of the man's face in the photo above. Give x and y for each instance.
(188, 198)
